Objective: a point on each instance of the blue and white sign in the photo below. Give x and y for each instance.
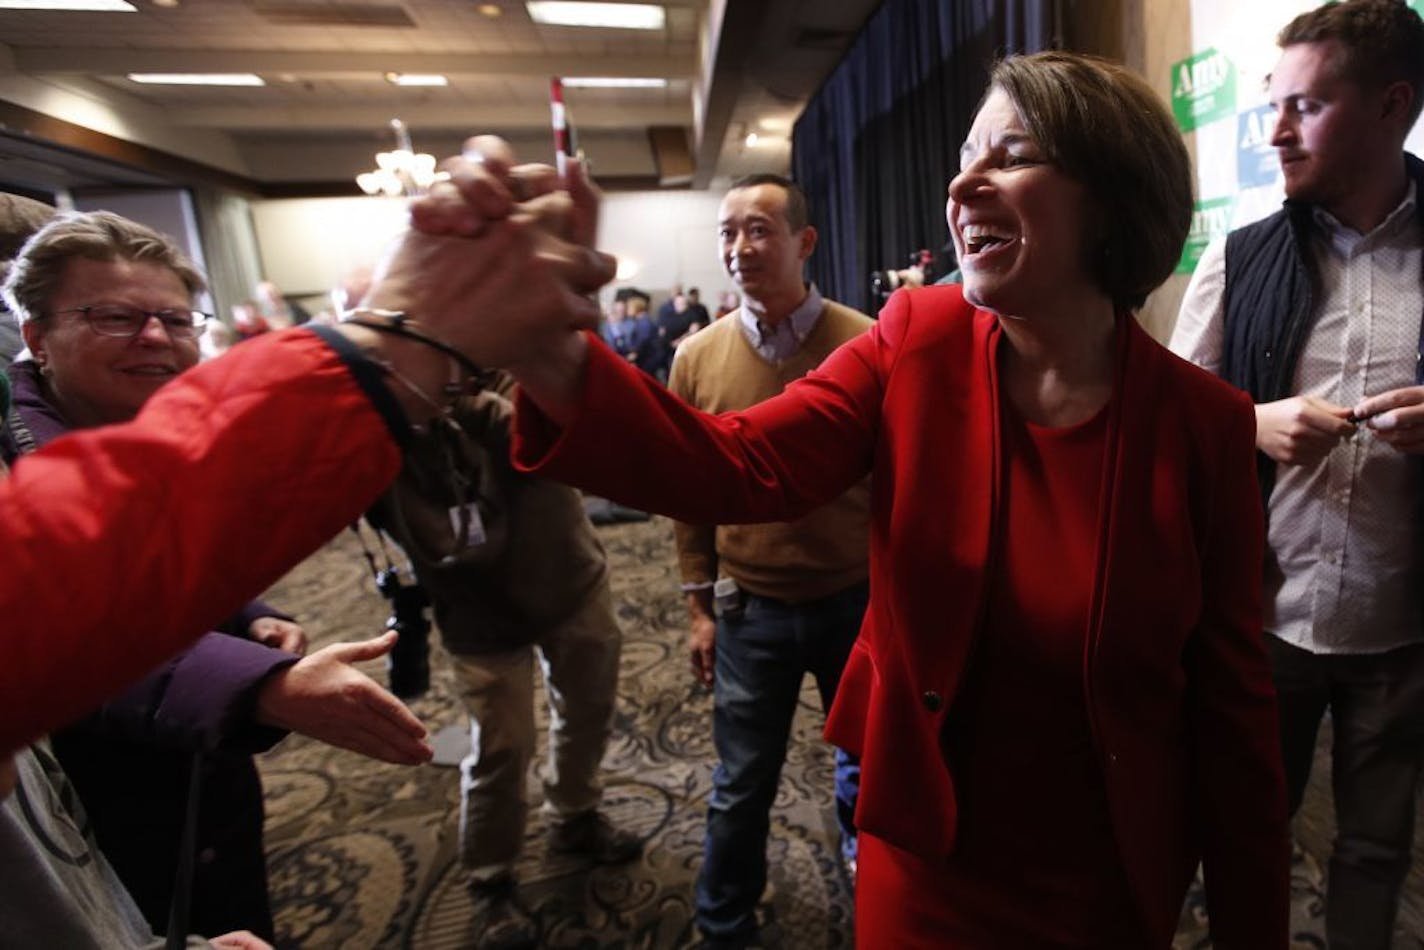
(1256, 162)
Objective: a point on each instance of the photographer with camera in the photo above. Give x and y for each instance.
(921, 271)
(512, 568)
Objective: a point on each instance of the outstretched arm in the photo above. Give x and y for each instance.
(127, 520)
(139, 512)
(324, 696)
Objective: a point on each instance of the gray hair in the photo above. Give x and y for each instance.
(35, 273)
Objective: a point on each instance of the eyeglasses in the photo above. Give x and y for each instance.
(128, 322)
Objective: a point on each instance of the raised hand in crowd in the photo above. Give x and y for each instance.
(534, 272)
(485, 185)
(540, 350)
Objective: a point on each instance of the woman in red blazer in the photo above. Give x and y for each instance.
(1060, 695)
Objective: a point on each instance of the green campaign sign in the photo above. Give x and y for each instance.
(1203, 89)
(1211, 219)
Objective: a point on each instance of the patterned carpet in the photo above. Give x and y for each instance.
(362, 855)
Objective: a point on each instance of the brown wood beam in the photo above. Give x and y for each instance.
(76, 138)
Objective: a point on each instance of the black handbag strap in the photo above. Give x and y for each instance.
(179, 911)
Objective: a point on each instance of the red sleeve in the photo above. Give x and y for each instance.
(1240, 782)
(229, 476)
(639, 445)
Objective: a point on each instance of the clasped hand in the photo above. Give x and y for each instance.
(498, 260)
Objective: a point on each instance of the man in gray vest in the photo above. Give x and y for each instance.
(1315, 311)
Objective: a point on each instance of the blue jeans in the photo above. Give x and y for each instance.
(761, 658)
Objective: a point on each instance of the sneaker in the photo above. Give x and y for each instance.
(500, 923)
(592, 836)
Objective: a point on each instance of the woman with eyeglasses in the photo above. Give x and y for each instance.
(108, 319)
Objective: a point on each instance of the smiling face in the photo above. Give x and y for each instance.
(98, 379)
(1330, 130)
(761, 252)
(1018, 223)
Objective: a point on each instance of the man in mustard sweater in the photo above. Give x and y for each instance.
(789, 597)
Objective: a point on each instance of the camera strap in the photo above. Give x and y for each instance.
(366, 549)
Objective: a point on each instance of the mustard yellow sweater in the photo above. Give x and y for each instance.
(827, 550)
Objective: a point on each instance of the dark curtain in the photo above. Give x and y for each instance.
(877, 145)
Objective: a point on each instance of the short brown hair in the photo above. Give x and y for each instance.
(98, 236)
(1383, 42)
(20, 218)
(797, 214)
(1105, 128)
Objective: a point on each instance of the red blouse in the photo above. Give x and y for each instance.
(1035, 864)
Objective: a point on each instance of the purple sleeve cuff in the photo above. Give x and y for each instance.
(212, 694)
(237, 624)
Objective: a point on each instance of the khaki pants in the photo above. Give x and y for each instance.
(579, 659)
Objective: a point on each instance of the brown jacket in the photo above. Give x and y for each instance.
(539, 561)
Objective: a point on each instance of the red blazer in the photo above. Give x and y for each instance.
(1176, 674)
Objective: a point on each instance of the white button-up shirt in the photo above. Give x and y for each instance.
(1344, 571)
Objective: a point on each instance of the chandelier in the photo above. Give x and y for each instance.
(402, 171)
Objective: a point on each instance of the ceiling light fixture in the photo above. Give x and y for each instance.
(490, 9)
(615, 82)
(628, 267)
(752, 139)
(402, 171)
(169, 4)
(97, 6)
(620, 16)
(416, 79)
(198, 79)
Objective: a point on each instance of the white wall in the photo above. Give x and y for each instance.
(307, 244)
(663, 237)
